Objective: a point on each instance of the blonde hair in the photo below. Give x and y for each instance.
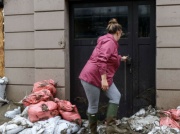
(113, 26)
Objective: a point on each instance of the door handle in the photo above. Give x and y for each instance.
(129, 60)
(129, 63)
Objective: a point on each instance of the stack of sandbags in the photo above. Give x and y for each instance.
(41, 114)
(43, 105)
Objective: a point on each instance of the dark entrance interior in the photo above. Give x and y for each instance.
(135, 79)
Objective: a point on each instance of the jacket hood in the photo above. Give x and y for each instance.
(107, 37)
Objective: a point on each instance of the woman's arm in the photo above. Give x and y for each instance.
(104, 53)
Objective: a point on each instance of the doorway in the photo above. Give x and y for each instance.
(135, 79)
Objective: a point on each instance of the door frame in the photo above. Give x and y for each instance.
(137, 41)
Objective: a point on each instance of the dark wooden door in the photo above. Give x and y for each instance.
(135, 79)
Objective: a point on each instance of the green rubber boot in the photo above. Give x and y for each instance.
(111, 120)
(92, 123)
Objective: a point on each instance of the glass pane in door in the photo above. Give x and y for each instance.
(144, 21)
(91, 22)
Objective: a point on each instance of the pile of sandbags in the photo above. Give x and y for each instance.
(43, 105)
(44, 112)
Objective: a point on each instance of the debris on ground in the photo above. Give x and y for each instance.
(42, 113)
(145, 121)
(54, 125)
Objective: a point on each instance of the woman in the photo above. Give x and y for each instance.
(98, 74)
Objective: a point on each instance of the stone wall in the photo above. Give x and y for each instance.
(168, 53)
(1, 44)
(35, 45)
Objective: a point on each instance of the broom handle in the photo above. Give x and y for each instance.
(124, 80)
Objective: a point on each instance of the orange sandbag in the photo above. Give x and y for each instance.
(42, 111)
(45, 84)
(56, 100)
(42, 95)
(168, 121)
(68, 111)
(65, 105)
(175, 113)
(72, 116)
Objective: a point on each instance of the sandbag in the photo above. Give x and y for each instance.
(36, 97)
(68, 111)
(175, 113)
(54, 125)
(42, 111)
(72, 116)
(64, 105)
(13, 113)
(167, 120)
(10, 128)
(66, 127)
(3, 82)
(45, 84)
(48, 125)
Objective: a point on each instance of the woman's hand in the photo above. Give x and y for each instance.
(104, 83)
(124, 58)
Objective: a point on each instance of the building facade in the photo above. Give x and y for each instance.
(52, 39)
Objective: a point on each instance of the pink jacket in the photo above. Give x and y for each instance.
(104, 60)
